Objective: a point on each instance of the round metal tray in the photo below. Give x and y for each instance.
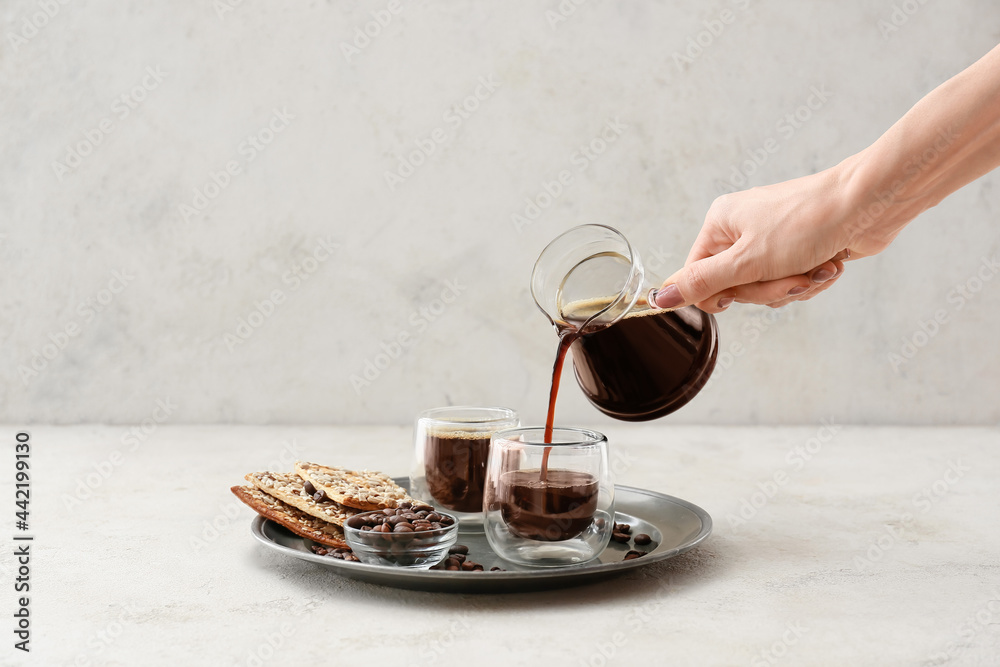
(674, 524)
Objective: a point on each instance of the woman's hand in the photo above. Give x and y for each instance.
(787, 242)
(775, 244)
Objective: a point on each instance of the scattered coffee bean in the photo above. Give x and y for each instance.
(623, 528)
(460, 563)
(336, 552)
(459, 549)
(620, 537)
(643, 538)
(634, 554)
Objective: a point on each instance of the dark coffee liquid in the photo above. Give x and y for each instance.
(455, 466)
(646, 365)
(558, 508)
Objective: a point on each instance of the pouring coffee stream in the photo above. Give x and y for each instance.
(565, 340)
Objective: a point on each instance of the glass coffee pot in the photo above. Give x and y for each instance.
(633, 360)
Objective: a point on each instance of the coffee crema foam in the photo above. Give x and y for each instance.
(460, 435)
(579, 311)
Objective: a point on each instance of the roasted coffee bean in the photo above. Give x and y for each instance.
(405, 505)
(478, 568)
(403, 528)
(452, 568)
(308, 486)
(496, 569)
(620, 537)
(395, 519)
(356, 521)
(634, 554)
(389, 511)
(433, 516)
(459, 549)
(468, 566)
(623, 528)
(319, 496)
(643, 538)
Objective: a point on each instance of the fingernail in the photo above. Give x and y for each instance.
(795, 291)
(822, 275)
(726, 301)
(668, 297)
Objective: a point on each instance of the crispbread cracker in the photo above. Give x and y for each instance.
(291, 518)
(290, 488)
(363, 490)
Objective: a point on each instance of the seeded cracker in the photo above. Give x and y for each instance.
(363, 490)
(291, 518)
(290, 488)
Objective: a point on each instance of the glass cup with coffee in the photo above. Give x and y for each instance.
(549, 501)
(451, 447)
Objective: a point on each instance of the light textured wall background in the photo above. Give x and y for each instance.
(187, 278)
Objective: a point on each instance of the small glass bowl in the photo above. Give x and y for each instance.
(420, 549)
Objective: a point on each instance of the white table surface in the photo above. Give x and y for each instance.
(849, 562)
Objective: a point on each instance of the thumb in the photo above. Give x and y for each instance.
(698, 281)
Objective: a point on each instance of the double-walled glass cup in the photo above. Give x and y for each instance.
(549, 504)
(451, 447)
